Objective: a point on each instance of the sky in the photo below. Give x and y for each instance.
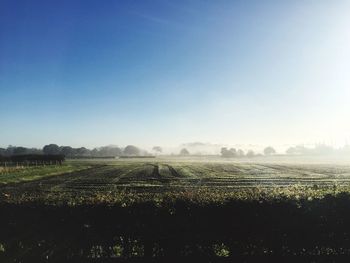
(91, 73)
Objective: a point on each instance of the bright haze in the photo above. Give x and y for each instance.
(169, 72)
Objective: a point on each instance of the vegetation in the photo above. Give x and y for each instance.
(127, 182)
(131, 150)
(157, 149)
(164, 209)
(319, 149)
(184, 152)
(16, 174)
(196, 148)
(70, 152)
(232, 152)
(269, 151)
(31, 159)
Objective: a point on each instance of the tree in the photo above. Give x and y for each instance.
(269, 151)
(299, 149)
(224, 152)
(10, 149)
(51, 149)
(131, 150)
(115, 151)
(20, 150)
(66, 150)
(240, 153)
(2, 151)
(109, 151)
(291, 150)
(157, 149)
(95, 152)
(250, 154)
(233, 152)
(82, 151)
(228, 153)
(184, 151)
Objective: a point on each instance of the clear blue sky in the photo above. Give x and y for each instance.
(166, 72)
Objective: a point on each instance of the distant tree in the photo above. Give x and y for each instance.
(184, 151)
(224, 152)
(228, 153)
(131, 150)
(109, 151)
(2, 151)
(299, 149)
(240, 153)
(66, 150)
(51, 149)
(250, 154)
(19, 150)
(233, 152)
(82, 151)
(157, 149)
(116, 151)
(10, 149)
(95, 152)
(291, 150)
(269, 151)
(319, 149)
(34, 151)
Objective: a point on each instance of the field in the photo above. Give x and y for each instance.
(175, 207)
(121, 181)
(18, 174)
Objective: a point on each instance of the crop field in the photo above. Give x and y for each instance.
(17, 174)
(113, 180)
(170, 209)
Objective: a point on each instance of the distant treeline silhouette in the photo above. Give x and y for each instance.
(232, 152)
(133, 151)
(32, 159)
(70, 152)
(318, 149)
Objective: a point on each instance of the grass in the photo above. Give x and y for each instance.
(25, 174)
(167, 208)
(124, 182)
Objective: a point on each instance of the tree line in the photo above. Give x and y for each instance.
(232, 152)
(318, 149)
(70, 152)
(32, 159)
(82, 152)
(131, 150)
